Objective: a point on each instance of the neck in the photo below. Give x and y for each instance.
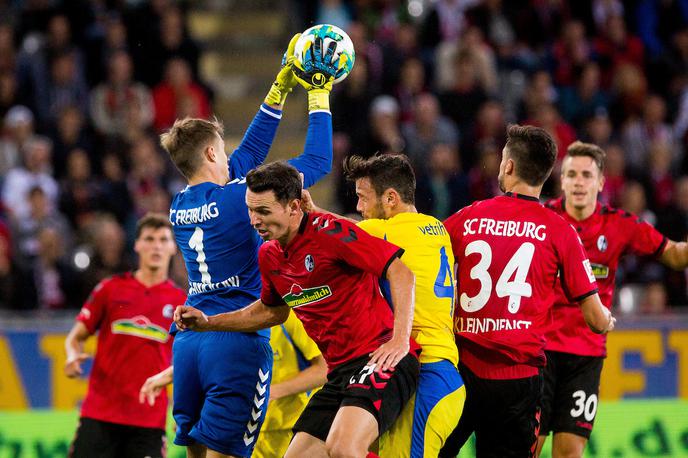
(519, 187)
(207, 176)
(579, 214)
(293, 229)
(150, 277)
(403, 208)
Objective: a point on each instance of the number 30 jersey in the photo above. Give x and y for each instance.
(510, 251)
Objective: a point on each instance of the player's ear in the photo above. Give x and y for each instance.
(294, 206)
(209, 153)
(602, 181)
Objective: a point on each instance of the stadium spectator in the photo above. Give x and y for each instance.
(616, 47)
(481, 177)
(444, 189)
(178, 96)
(355, 406)
(35, 171)
(462, 101)
(80, 191)
(52, 281)
(575, 354)
(570, 51)
(107, 243)
(501, 365)
(585, 99)
(173, 42)
(489, 127)
(111, 100)
(70, 133)
(639, 135)
(131, 313)
(427, 129)
(411, 84)
(614, 176)
(540, 91)
(65, 89)
(26, 229)
(385, 133)
(18, 129)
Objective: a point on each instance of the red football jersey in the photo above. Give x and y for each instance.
(133, 343)
(509, 251)
(606, 235)
(328, 275)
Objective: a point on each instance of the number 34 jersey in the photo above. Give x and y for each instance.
(510, 251)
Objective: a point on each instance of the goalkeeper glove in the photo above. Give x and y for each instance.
(317, 73)
(285, 81)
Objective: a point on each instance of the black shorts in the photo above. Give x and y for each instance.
(100, 439)
(504, 414)
(356, 384)
(571, 393)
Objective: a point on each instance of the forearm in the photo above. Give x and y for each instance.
(675, 255)
(166, 375)
(255, 145)
(252, 318)
(596, 315)
(402, 288)
(74, 342)
(316, 160)
(308, 379)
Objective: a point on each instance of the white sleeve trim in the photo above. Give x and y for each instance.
(270, 113)
(320, 111)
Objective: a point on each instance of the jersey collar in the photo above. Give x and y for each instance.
(521, 196)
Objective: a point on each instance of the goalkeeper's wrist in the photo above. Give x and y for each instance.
(276, 95)
(318, 100)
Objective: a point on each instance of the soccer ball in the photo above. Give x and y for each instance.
(329, 33)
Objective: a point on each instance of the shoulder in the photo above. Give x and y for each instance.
(556, 205)
(373, 226)
(268, 252)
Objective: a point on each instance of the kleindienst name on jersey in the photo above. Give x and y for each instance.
(480, 325)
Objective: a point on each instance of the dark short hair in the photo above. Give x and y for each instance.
(384, 171)
(533, 151)
(597, 154)
(153, 221)
(279, 177)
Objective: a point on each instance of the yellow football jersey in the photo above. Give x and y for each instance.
(428, 254)
(288, 348)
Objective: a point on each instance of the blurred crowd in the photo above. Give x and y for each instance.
(85, 87)
(440, 80)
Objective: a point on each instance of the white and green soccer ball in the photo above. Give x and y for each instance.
(344, 52)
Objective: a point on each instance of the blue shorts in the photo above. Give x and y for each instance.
(221, 389)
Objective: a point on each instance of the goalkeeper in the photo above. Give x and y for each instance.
(221, 379)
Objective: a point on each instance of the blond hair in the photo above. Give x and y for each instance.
(186, 139)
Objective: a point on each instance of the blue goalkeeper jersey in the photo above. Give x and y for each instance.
(211, 223)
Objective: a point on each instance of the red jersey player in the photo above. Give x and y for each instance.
(574, 354)
(132, 313)
(510, 251)
(326, 269)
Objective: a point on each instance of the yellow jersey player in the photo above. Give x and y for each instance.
(385, 186)
(298, 367)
